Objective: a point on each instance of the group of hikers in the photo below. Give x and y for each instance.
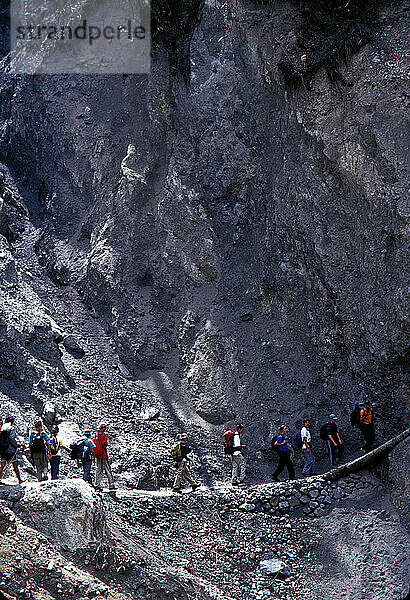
(45, 449)
(363, 418)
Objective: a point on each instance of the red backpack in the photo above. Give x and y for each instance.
(228, 441)
(98, 451)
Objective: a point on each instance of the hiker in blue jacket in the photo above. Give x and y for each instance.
(281, 443)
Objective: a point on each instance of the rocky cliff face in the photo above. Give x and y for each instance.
(222, 240)
(243, 238)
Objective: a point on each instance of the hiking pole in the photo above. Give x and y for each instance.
(7, 465)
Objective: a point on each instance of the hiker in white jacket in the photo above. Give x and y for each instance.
(309, 467)
(238, 460)
(9, 447)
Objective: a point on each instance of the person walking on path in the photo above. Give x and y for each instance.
(101, 455)
(38, 444)
(334, 442)
(284, 457)
(86, 455)
(180, 453)
(8, 447)
(238, 459)
(367, 425)
(55, 444)
(309, 466)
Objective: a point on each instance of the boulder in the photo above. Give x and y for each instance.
(124, 371)
(68, 512)
(293, 501)
(69, 432)
(274, 566)
(56, 331)
(149, 413)
(247, 507)
(49, 412)
(72, 346)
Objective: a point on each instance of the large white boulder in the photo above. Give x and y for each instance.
(69, 432)
(67, 511)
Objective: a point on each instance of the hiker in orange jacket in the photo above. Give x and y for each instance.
(101, 455)
(367, 425)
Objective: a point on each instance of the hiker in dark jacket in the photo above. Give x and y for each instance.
(367, 425)
(86, 455)
(284, 457)
(9, 451)
(38, 444)
(181, 459)
(334, 442)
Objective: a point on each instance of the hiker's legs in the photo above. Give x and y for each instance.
(280, 467)
(313, 463)
(369, 436)
(187, 475)
(44, 467)
(372, 435)
(290, 467)
(332, 450)
(2, 466)
(236, 463)
(179, 475)
(309, 467)
(242, 468)
(55, 466)
(87, 471)
(107, 470)
(98, 472)
(16, 470)
(38, 465)
(306, 466)
(367, 445)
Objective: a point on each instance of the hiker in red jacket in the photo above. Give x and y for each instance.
(101, 455)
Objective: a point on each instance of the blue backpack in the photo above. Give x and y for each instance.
(298, 440)
(80, 451)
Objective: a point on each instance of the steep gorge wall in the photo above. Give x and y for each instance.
(244, 237)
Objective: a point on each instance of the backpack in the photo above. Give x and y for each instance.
(324, 434)
(228, 442)
(298, 440)
(4, 439)
(87, 453)
(98, 450)
(54, 445)
(275, 448)
(176, 451)
(37, 445)
(355, 416)
(75, 451)
(78, 451)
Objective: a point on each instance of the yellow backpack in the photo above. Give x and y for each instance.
(176, 451)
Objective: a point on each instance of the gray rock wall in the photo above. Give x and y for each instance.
(242, 237)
